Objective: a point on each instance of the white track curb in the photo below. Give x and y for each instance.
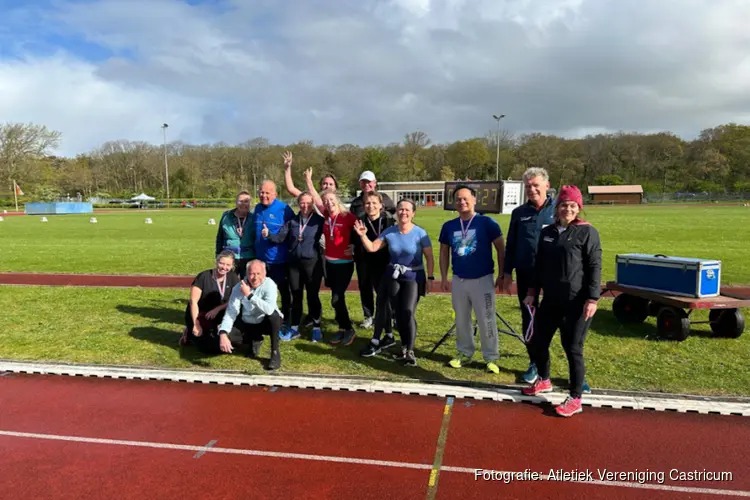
(655, 403)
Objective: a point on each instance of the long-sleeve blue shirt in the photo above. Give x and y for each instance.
(254, 308)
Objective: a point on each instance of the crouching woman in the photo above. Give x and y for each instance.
(209, 295)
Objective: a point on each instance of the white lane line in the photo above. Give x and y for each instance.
(360, 461)
(216, 449)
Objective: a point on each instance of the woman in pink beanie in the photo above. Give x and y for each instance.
(568, 271)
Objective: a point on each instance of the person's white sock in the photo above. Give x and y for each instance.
(375, 342)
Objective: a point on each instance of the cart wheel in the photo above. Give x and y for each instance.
(629, 309)
(673, 323)
(727, 322)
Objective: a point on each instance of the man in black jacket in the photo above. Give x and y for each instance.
(526, 223)
(367, 184)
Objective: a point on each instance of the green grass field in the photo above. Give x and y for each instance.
(181, 241)
(141, 326)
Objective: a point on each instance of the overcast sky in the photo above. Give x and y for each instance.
(369, 71)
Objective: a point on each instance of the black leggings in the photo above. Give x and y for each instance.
(383, 308)
(403, 297)
(338, 277)
(306, 274)
(523, 281)
(568, 317)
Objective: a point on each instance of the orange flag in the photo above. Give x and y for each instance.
(18, 190)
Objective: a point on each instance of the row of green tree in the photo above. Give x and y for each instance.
(717, 161)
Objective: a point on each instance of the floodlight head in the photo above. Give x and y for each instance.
(497, 117)
(164, 126)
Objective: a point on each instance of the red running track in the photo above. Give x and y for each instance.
(178, 440)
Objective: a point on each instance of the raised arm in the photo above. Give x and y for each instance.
(266, 301)
(370, 246)
(289, 183)
(313, 192)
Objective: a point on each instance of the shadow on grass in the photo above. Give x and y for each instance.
(190, 353)
(157, 314)
(383, 362)
(607, 325)
(170, 338)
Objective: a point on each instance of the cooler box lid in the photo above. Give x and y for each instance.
(665, 259)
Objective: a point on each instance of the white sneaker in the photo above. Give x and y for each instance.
(367, 323)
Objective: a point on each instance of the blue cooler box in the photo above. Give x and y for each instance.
(670, 275)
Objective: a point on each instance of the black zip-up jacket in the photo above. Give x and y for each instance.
(522, 240)
(309, 247)
(569, 264)
(358, 205)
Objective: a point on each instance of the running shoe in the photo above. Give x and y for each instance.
(275, 362)
(400, 356)
(531, 374)
(493, 368)
(569, 407)
(538, 387)
(293, 334)
(370, 350)
(338, 337)
(460, 361)
(366, 324)
(387, 341)
(410, 359)
(349, 337)
(586, 388)
(317, 335)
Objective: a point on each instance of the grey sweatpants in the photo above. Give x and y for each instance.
(479, 295)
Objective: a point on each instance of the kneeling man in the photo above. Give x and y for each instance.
(252, 313)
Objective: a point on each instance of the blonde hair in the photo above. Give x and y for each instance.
(336, 200)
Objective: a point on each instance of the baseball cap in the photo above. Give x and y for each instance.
(367, 176)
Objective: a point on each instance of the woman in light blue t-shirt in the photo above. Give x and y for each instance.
(405, 279)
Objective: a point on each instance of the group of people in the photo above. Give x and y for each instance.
(275, 252)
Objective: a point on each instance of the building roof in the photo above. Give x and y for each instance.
(634, 189)
(411, 186)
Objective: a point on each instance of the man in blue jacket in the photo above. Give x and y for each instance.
(273, 214)
(526, 223)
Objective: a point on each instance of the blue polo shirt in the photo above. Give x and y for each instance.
(274, 216)
(471, 248)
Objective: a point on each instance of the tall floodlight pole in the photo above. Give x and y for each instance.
(166, 163)
(497, 159)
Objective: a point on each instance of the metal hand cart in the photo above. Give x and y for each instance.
(633, 305)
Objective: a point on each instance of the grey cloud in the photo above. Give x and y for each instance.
(369, 72)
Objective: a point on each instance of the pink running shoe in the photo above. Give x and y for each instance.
(569, 407)
(538, 387)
